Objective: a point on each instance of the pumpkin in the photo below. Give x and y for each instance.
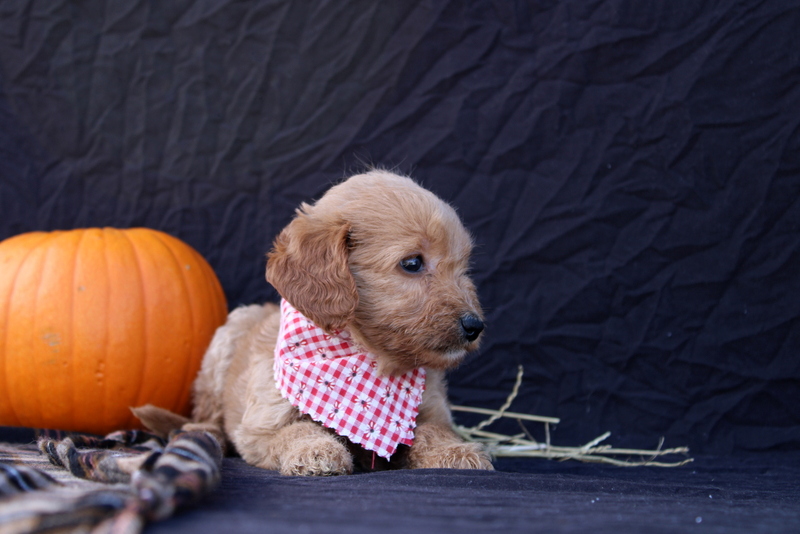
(95, 321)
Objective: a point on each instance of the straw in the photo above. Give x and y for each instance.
(523, 445)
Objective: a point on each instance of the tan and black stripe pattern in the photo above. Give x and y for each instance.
(111, 484)
(21, 478)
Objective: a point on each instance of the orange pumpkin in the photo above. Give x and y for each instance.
(95, 321)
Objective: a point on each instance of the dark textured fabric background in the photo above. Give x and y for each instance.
(630, 171)
(752, 494)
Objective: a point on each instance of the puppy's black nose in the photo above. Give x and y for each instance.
(471, 326)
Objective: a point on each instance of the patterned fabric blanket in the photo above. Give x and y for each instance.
(103, 485)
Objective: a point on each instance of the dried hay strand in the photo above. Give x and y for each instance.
(524, 445)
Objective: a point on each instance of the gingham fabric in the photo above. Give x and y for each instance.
(334, 381)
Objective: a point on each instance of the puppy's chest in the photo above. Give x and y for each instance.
(329, 378)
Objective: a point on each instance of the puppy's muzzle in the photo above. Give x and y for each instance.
(471, 327)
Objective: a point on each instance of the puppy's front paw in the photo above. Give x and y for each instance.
(322, 456)
(455, 456)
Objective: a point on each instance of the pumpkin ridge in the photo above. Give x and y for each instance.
(146, 321)
(40, 385)
(217, 293)
(190, 297)
(103, 362)
(30, 251)
(35, 313)
(213, 297)
(69, 334)
(214, 292)
(105, 379)
(73, 300)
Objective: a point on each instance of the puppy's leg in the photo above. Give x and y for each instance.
(272, 434)
(300, 448)
(436, 445)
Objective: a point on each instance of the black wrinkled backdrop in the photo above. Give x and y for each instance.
(630, 171)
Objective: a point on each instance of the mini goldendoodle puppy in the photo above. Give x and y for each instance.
(377, 304)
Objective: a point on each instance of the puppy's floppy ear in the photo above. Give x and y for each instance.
(308, 266)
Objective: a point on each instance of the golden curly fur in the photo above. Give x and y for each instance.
(339, 263)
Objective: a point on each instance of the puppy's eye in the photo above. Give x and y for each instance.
(414, 264)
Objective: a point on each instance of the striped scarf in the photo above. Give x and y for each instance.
(111, 484)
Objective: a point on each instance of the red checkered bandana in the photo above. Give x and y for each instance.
(330, 378)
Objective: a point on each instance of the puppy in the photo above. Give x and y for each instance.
(376, 271)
